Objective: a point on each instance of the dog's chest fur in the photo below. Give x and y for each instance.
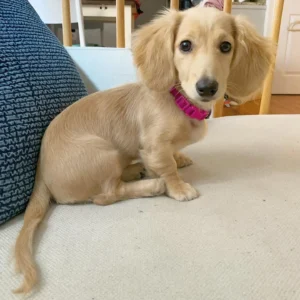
(190, 133)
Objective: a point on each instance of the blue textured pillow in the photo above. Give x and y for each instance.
(37, 81)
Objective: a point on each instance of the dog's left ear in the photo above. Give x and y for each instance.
(153, 50)
(252, 58)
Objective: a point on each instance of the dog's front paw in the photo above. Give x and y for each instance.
(182, 192)
(182, 160)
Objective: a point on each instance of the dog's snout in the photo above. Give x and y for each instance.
(207, 87)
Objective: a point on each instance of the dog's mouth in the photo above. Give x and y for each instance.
(206, 100)
(201, 99)
(209, 101)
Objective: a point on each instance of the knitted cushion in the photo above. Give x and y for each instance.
(37, 81)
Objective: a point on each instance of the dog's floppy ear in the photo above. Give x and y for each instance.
(153, 50)
(252, 58)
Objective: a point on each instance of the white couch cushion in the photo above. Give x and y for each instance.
(239, 240)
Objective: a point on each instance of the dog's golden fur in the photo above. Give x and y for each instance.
(88, 150)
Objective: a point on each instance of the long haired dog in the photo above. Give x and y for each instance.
(186, 61)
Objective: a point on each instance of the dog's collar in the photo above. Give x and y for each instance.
(188, 108)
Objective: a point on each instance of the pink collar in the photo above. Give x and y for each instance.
(189, 109)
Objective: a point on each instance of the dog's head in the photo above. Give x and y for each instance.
(206, 51)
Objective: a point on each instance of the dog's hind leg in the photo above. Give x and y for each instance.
(134, 172)
(130, 190)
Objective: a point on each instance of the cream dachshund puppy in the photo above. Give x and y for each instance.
(186, 61)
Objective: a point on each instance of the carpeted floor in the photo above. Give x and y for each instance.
(238, 241)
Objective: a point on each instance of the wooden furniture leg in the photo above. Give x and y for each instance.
(227, 6)
(175, 4)
(120, 24)
(66, 24)
(267, 89)
(218, 108)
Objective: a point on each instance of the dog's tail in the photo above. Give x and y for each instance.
(34, 214)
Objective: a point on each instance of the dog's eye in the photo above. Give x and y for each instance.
(186, 46)
(225, 47)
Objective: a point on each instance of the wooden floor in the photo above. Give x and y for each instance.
(280, 104)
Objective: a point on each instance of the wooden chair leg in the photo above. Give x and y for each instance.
(120, 23)
(218, 108)
(227, 6)
(267, 89)
(66, 24)
(175, 4)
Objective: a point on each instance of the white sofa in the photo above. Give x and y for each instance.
(239, 240)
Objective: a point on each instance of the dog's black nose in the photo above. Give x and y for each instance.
(207, 87)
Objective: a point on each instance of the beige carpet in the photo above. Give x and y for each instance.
(239, 240)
